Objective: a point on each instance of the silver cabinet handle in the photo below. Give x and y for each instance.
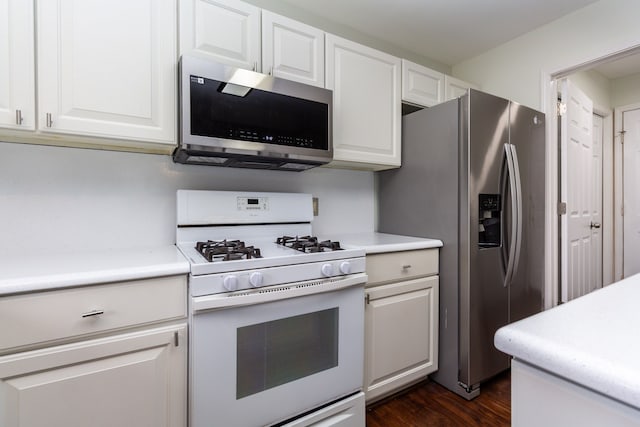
(19, 118)
(406, 266)
(255, 66)
(595, 225)
(49, 120)
(93, 313)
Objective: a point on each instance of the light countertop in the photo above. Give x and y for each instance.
(44, 271)
(592, 341)
(381, 242)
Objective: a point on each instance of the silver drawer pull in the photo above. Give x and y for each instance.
(93, 313)
(406, 266)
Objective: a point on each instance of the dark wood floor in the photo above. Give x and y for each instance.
(430, 404)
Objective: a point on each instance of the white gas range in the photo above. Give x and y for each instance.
(276, 315)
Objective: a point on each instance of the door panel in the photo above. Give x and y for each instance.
(527, 134)
(576, 169)
(136, 379)
(596, 203)
(17, 80)
(484, 304)
(631, 180)
(121, 85)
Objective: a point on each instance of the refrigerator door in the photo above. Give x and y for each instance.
(485, 225)
(527, 136)
(422, 199)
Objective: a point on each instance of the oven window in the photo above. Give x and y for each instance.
(280, 351)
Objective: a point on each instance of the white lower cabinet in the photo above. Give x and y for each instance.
(565, 403)
(122, 362)
(401, 321)
(135, 379)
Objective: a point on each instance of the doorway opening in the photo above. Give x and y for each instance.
(607, 226)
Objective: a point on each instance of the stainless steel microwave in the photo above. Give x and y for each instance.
(239, 118)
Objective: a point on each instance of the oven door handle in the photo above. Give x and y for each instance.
(275, 293)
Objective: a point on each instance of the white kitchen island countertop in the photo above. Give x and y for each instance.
(593, 341)
(375, 242)
(42, 270)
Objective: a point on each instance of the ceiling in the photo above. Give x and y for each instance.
(447, 31)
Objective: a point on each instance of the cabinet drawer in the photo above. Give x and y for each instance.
(401, 265)
(45, 316)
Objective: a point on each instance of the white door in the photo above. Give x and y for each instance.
(292, 50)
(366, 104)
(17, 79)
(275, 355)
(227, 31)
(576, 157)
(631, 189)
(108, 68)
(134, 379)
(455, 88)
(421, 85)
(596, 202)
(403, 316)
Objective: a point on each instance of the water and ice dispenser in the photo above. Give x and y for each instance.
(489, 229)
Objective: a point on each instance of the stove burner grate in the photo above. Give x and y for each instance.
(308, 244)
(226, 250)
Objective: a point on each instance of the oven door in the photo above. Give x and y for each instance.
(264, 357)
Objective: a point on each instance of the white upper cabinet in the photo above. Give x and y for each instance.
(455, 88)
(107, 68)
(292, 50)
(366, 105)
(244, 36)
(17, 78)
(225, 30)
(420, 85)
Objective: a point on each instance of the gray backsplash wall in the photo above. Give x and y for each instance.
(57, 198)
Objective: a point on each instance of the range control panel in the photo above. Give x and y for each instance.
(253, 203)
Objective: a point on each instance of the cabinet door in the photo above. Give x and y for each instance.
(421, 85)
(17, 78)
(455, 88)
(108, 68)
(292, 50)
(227, 31)
(401, 334)
(366, 105)
(136, 379)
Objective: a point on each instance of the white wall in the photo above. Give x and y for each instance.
(513, 70)
(56, 198)
(625, 91)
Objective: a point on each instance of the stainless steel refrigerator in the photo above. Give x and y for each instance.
(473, 176)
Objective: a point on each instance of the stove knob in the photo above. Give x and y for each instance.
(327, 270)
(255, 279)
(345, 267)
(230, 283)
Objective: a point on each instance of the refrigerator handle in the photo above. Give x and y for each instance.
(518, 216)
(513, 235)
(504, 176)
